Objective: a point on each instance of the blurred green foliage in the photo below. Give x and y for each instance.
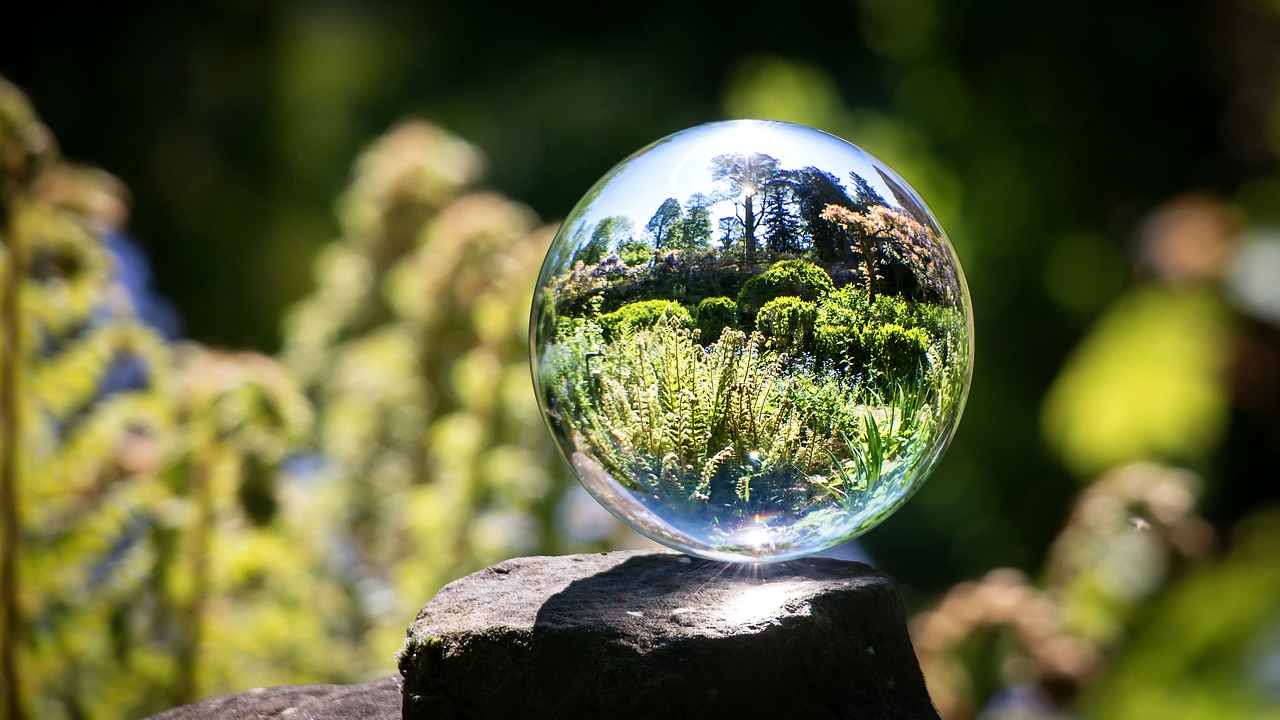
(139, 478)
(1223, 663)
(165, 554)
(161, 549)
(1145, 384)
(414, 348)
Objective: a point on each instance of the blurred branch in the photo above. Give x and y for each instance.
(1116, 551)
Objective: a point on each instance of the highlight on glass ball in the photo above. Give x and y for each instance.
(751, 341)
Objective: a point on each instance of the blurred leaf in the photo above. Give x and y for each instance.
(1147, 383)
(1210, 647)
(87, 410)
(415, 347)
(135, 476)
(899, 31)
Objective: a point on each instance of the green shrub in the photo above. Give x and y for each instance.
(796, 278)
(850, 302)
(713, 315)
(898, 352)
(887, 351)
(883, 337)
(710, 429)
(643, 314)
(788, 322)
(938, 321)
(636, 252)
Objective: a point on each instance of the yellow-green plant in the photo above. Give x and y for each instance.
(642, 314)
(712, 315)
(153, 549)
(666, 416)
(252, 595)
(148, 557)
(793, 278)
(788, 322)
(414, 347)
(78, 469)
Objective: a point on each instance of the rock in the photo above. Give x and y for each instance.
(374, 700)
(652, 634)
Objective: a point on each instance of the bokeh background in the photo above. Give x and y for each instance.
(1100, 541)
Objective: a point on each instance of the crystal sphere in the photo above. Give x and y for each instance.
(751, 341)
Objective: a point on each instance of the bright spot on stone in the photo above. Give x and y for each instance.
(759, 603)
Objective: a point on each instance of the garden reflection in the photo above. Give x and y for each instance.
(774, 386)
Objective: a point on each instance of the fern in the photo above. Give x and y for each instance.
(76, 493)
(125, 466)
(667, 416)
(414, 348)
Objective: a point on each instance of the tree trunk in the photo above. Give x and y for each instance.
(868, 247)
(749, 227)
(187, 682)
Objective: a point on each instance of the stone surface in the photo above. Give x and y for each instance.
(648, 634)
(374, 700)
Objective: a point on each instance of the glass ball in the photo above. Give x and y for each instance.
(751, 341)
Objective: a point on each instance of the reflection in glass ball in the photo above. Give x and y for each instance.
(751, 341)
